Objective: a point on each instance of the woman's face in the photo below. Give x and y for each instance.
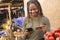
(33, 10)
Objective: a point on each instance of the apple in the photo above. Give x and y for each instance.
(57, 34)
(57, 30)
(58, 38)
(47, 35)
(51, 38)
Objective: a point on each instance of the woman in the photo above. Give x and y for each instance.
(35, 19)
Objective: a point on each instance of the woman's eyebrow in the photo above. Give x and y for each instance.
(33, 9)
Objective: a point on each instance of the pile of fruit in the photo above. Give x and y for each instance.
(54, 35)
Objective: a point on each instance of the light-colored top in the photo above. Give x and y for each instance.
(35, 22)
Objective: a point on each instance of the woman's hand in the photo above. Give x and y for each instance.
(44, 29)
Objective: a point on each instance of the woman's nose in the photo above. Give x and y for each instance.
(33, 11)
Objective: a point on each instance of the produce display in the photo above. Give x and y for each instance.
(54, 35)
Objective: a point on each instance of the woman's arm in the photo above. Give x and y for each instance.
(47, 23)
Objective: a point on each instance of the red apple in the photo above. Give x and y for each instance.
(47, 35)
(57, 30)
(51, 38)
(58, 38)
(57, 34)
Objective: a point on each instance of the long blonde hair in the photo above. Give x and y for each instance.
(40, 13)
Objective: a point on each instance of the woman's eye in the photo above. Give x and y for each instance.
(30, 11)
(36, 10)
